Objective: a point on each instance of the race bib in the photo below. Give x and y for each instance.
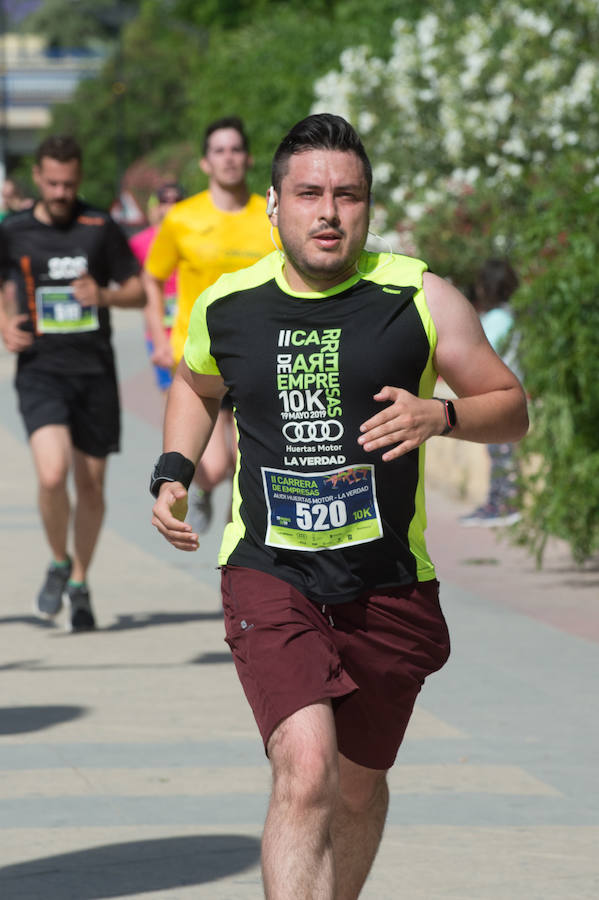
(321, 511)
(58, 312)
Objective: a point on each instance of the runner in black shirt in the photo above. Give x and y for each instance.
(63, 263)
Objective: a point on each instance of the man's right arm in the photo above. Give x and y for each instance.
(191, 412)
(162, 260)
(15, 339)
(162, 354)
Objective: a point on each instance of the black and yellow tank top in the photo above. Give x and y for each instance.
(310, 506)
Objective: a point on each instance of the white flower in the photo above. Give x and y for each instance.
(382, 172)
(546, 70)
(514, 170)
(484, 95)
(430, 73)
(471, 175)
(499, 108)
(586, 79)
(401, 29)
(398, 194)
(453, 141)
(378, 218)
(415, 211)
(472, 39)
(526, 18)
(366, 121)
(426, 30)
(561, 40)
(474, 64)
(515, 146)
(353, 59)
(498, 83)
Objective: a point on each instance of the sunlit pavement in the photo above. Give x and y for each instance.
(131, 766)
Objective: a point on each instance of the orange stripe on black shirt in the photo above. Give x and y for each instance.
(90, 220)
(25, 262)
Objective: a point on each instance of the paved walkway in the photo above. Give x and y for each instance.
(130, 765)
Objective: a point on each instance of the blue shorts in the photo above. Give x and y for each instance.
(164, 377)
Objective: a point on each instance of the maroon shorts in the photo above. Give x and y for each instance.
(370, 656)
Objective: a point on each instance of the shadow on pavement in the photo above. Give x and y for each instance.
(27, 620)
(126, 622)
(138, 867)
(21, 719)
(212, 658)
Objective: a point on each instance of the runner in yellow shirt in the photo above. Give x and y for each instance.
(219, 230)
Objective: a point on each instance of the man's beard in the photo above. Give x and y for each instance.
(59, 212)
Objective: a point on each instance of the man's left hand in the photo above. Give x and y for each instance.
(407, 422)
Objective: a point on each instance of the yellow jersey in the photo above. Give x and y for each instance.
(202, 242)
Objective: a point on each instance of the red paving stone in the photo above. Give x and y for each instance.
(483, 560)
(141, 396)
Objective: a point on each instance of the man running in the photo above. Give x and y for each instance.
(165, 197)
(330, 355)
(219, 230)
(69, 263)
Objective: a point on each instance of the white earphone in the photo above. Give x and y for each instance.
(271, 203)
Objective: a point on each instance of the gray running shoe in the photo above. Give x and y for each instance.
(199, 514)
(490, 516)
(49, 599)
(81, 617)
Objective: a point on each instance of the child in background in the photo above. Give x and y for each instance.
(495, 282)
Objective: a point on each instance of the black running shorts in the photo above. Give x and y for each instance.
(87, 404)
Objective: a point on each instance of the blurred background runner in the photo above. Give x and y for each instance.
(65, 263)
(158, 206)
(221, 229)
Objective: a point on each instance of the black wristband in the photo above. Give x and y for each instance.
(171, 467)
(450, 417)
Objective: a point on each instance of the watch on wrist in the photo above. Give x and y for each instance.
(171, 466)
(451, 419)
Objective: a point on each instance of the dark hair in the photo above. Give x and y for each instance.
(61, 147)
(166, 191)
(226, 122)
(495, 282)
(322, 131)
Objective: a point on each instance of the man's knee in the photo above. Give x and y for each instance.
(51, 450)
(310, 782)
(52, 479)
(89, 479)
(304, 766)
(360, 788)
(90, 492)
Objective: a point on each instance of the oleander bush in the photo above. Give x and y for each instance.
(557, 319)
